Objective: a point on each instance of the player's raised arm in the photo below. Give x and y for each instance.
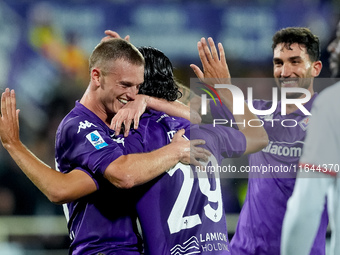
(58, 187)
(215, 67)
(216, 71)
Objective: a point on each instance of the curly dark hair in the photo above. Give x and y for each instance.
(158, 75)
(300, 35)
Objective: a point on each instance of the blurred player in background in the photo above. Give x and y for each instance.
(319, 175)
(296, 62)
(334, 50)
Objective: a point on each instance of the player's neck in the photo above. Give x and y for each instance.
(91, 103)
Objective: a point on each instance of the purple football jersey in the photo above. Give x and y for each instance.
(181, 212)
(102, 222)
(259, 227)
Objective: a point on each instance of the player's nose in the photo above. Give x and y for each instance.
(286, 70)
(132, 92)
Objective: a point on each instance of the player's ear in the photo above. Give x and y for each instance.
(316, 68)
(95, 76)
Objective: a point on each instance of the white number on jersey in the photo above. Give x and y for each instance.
(215, 196)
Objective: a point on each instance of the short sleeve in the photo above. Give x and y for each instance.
(91, 148)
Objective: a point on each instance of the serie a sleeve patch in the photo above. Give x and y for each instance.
(96, 140)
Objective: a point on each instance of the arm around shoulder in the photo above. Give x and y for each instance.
(131, 170)
(174, 108)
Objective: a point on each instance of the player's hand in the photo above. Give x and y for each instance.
(129, 114)
(197, 153)
(112, 34)
(215, 68)
(189, 151)
(9, 121)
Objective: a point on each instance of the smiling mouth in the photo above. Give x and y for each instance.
(288, 83)
(123, 101)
